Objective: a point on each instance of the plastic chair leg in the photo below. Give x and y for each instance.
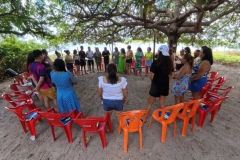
(119, 127)
(68, 132)
(84, 139)
(53, 133)
(31, 127)
(150, 122)
(23, 126)
(213, 115)
(185, 126)
(164, 132)
(125, 143)
(140, 138)
(103, 138)
(174, 128)
(202, 117)
(193, 121)
(109, 123)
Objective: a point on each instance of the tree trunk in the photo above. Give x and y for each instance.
(172, 44)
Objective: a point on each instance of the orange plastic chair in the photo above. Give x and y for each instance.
(94, 125)
(166, 116)
(55, 120)
(144, 63)
(131, 121)
(188, 112)
(22, 117)
(132, 67)
(212, 76)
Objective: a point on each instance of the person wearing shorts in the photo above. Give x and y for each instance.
(76, 61)
(43, 82)
(69, 61)
(149, 59)
(112, 90)
(160, 71)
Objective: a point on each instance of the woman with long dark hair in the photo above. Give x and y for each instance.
(138, 64)
(200, 71)
(160, 71)
(64, 80)
(180, 86)
(121, 62)
(112, 90)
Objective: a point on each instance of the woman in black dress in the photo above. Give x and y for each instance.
(160, 71)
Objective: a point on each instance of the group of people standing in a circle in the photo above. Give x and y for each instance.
(124, 60)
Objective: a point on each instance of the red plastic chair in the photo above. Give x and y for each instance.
(221, 92)
(212, 76)
(14, 88)
(210, 85)
(18, 80)
(166, 116)
(22, 117)
(131, 121)
(132, 66)
(18, 100)
(144, 63)
(26, 75)
(212, 103)
(106, 119)
(94, 125)
(189, 112)
(54, 120)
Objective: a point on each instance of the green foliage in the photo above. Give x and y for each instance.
(228, 57)
(13, 53)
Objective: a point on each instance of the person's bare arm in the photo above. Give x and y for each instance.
(151, 75)
(181, 73)
(40, 82)
(202, 69)
(100, 91)
(125, 94)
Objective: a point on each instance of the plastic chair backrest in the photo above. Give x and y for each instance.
(213, 75)
(9, 98)
(174, 110)
(221, 81)
(222, 91)
(213, 101)
(133, 63)
(26, 75)
(53, 118)
(88, 125)
(13, 87)
(18, 110)
(192, 106)
(133, 119)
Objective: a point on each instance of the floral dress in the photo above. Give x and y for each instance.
(138, 63)
(181, 86)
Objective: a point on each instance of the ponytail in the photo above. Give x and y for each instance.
(189, 58)
(112, 73)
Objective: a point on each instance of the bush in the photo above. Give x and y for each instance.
(13, 54)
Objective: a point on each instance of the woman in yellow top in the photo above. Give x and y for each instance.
(149, 59)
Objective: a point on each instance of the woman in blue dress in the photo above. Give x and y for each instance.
(180, 86)
(200, 72)
(64, 80)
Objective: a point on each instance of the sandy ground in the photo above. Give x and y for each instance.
(217, 141)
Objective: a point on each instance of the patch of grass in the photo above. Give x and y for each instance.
(227, 58)
(29, 156)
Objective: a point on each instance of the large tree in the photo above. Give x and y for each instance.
(120, 19)
(21, 17)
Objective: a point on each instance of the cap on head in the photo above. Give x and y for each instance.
(164, 49)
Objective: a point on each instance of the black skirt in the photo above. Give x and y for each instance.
(69, 66)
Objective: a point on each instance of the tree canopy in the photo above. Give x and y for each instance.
(107, 21)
